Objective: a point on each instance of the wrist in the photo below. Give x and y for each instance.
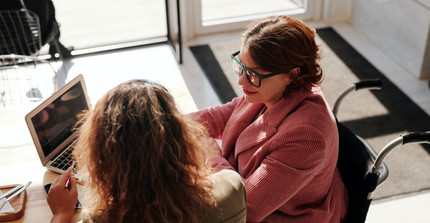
(61, 218)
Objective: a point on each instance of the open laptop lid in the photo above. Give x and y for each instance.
(52, 124)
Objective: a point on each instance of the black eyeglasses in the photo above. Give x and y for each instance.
(253, 77)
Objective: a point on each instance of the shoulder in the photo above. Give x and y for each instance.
(229, 192)
(227, 179)
(311, 110)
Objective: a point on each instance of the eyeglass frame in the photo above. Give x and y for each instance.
(260, 76)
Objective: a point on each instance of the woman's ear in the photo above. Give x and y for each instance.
(293, 74)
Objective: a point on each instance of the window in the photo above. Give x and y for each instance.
(224, 11)
(214, 16)
(99, 23)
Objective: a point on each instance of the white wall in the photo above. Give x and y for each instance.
(398, 27)
(337, 10)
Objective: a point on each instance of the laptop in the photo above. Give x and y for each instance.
(53, 124)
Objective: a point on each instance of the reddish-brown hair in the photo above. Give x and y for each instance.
(279, 44)
(143, 158)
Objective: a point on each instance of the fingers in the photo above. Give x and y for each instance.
(68, 171)
(63, 177)
(73, 185)
(56, 180)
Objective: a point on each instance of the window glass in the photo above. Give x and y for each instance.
(220, 11)
(86, 24)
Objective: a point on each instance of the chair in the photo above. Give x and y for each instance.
(22, 32)
(25, 79)
(361, 168)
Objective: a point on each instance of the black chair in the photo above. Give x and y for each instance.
(361, 168)
(26, 26)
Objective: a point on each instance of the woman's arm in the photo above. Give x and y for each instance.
(216, 118)
(62, 200)
(283, 172)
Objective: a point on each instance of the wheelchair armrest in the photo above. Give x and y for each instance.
(411, 137)
(383, 170)
(364, 84)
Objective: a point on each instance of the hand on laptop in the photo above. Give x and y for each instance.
(61, 199)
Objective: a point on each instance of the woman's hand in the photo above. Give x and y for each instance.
(62, 200)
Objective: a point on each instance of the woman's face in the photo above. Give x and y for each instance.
(271, 90)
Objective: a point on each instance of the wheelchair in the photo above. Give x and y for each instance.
(361, 168)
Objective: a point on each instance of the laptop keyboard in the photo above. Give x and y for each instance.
(64, 160)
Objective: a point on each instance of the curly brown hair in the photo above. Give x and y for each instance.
(279, 44)
(143, 158)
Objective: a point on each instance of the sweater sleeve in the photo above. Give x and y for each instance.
(216, 118)
(283, 172)
(230, 194)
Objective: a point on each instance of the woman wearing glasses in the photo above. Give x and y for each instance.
(280, 136)
(145, 164)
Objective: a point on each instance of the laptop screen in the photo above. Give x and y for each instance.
(57, 121)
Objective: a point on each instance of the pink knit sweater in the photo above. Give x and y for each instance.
(287, 157)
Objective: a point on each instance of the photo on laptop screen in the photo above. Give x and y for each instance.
(57, 121)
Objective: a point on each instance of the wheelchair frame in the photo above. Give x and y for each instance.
(371, 170)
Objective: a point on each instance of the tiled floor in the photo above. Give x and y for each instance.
(409, 208)
(417, 90)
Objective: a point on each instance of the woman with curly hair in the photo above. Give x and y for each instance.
(281, 135)
(144, 163)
